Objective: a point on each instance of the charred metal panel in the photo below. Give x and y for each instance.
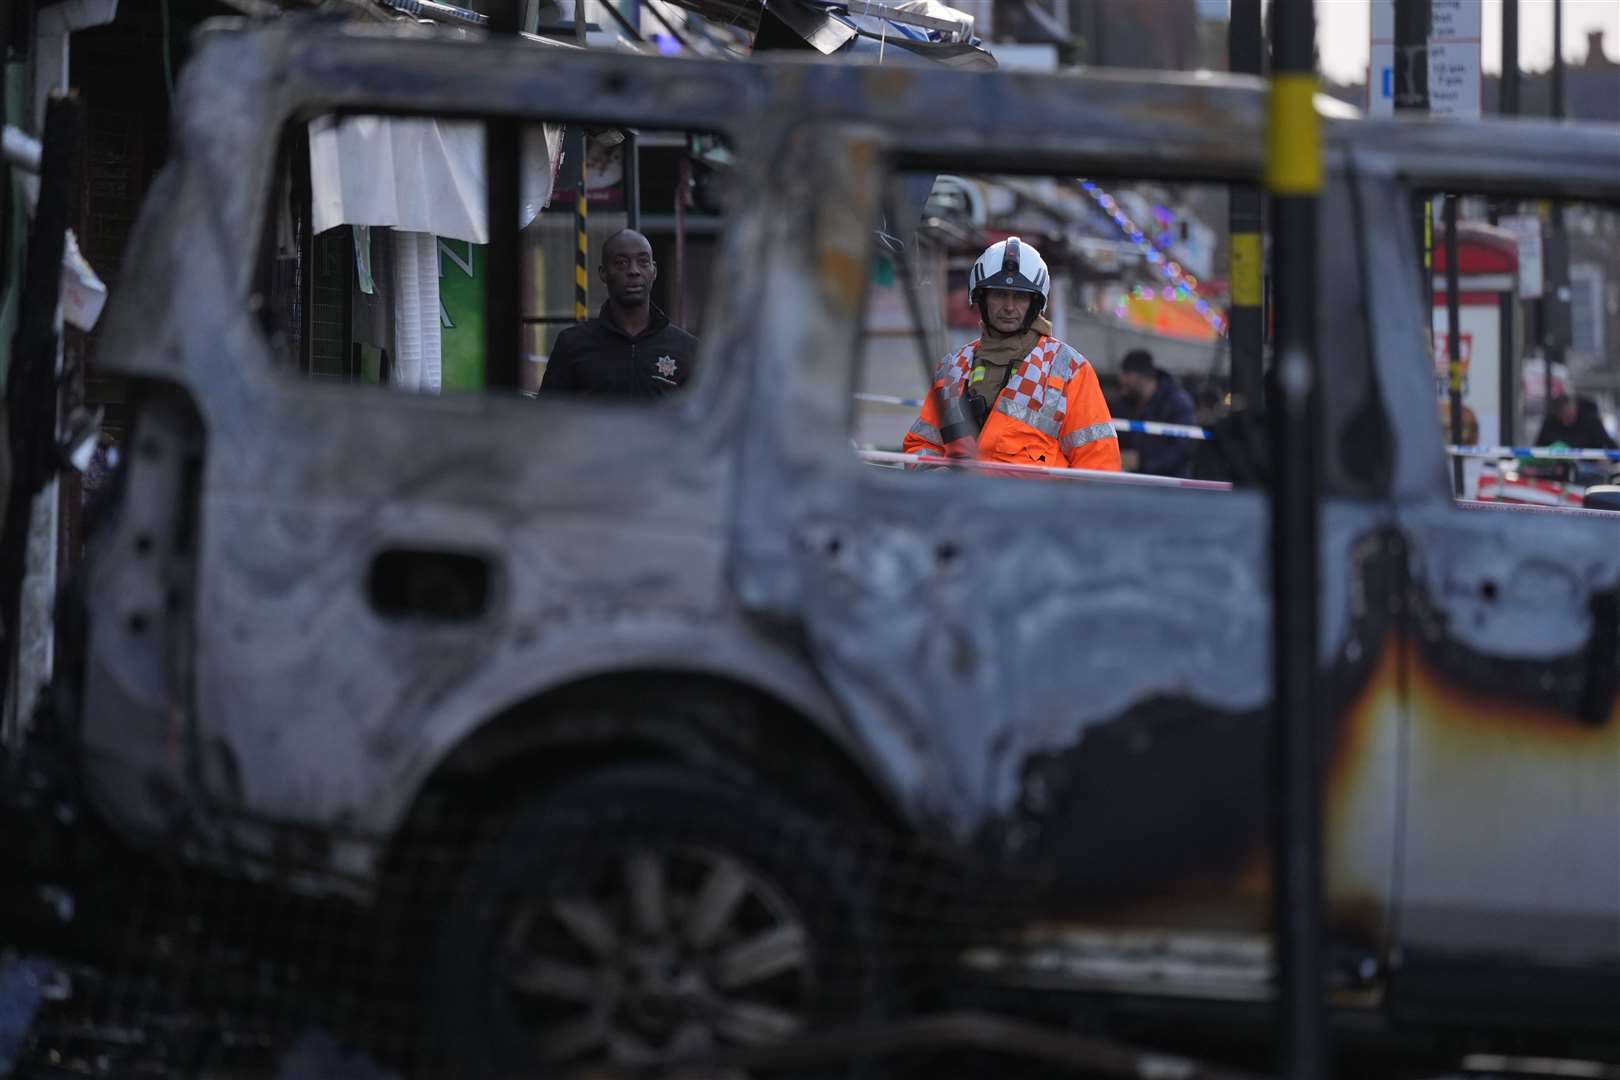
(1509, 742)
(1200, 843)
(137, 740)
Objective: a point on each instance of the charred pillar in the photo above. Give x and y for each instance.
(1293, 178)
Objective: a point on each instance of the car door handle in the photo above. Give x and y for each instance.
(441, 586)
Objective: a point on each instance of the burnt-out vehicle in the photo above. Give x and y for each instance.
(679, 727)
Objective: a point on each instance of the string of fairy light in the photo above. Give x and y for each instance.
(1182, 285)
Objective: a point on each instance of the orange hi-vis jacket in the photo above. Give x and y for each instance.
(1051, 412)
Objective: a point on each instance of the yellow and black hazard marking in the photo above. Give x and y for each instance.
(581, 264)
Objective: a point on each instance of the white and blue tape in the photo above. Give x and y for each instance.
(1190, 431)
(1547, 453)
(1143, 427)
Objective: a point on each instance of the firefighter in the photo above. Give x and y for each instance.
(1017, 394)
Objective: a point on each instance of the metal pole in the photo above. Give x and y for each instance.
(582, 281)
(1413, 20)
(1508, 371)
(677, 288)
(1294, 179)
(1555, 302)
(1454, 368)
(1246, 45)
(632, 180)
(582, 237)
(503, 310)
(1556, 288)
(1558, 60)
(1509, 105)
(1413, 24)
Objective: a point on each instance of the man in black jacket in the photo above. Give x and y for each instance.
(1160, 398)
(1575, 423)
(631, 349)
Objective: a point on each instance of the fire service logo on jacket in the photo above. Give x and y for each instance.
(666, 366)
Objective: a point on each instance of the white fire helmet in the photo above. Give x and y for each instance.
(1011, 264)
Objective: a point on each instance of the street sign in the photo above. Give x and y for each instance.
(1454, 58)
(1455, 32)
(1381, 60)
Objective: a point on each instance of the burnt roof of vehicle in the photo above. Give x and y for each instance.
(1499, 156)
(1168, 125)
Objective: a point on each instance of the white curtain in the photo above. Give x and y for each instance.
(418, 175)
(416, 311)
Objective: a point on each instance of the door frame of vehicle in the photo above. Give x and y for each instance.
(819, 534)
(1510, 662)
(241, 91)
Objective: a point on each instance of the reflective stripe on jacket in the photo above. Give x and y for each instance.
(1051, 412)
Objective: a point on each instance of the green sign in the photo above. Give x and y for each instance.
(461, 315)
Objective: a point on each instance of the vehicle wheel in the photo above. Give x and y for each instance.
(650, 913)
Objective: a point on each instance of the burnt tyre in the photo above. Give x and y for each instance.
(651, 914)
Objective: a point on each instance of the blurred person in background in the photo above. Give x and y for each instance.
(1575, 423)
(1159, 398)
(1208, 405)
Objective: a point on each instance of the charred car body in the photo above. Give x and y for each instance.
(730, 654)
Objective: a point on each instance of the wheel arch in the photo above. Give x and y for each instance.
(750, 730)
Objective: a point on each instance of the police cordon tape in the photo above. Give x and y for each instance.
(1548, 453)
(1143, 427)
(1190, 431)
(894, 457)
